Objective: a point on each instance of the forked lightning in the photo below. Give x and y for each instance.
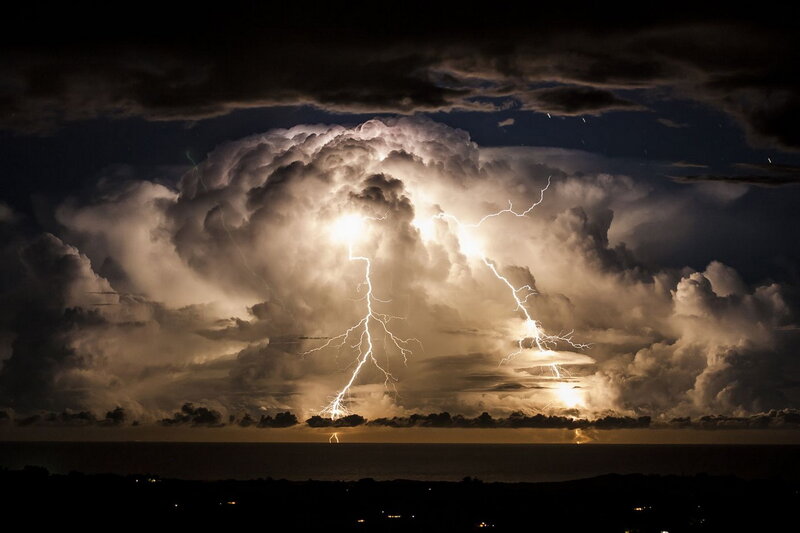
(350, 228)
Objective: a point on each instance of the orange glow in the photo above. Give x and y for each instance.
(568, 395)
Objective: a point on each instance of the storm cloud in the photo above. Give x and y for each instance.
(208, 293)
(750, 174)
(569, 100)
(589, 61)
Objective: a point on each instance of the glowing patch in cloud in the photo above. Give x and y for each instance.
(426, 228)
(469, 245)
(348, 229)
(568, 395)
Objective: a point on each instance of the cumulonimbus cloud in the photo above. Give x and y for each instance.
(208, 293)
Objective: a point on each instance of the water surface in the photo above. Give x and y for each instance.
(444, 462)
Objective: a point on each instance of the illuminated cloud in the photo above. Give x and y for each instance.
(207, 294)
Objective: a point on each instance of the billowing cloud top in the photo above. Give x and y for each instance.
(211, 292)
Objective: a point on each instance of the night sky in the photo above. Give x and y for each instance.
(174, 186)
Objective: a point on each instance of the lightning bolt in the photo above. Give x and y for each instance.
(360, 336)
(350, 228)
(534, 333)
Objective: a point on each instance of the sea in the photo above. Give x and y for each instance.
(425, 462)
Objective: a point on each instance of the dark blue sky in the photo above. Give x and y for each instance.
(62, 162)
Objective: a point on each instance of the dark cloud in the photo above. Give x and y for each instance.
(764, 175)
(28, 420)
(762, 180)
(768, 107)
(343, 422)
(194, 67)
(203, 417)
(514, 420)
(260, 363)
(575, 100)
(82, 418)
(45, 283)
(775, 419)
(281, 420)
(114, 418)
(194, 416)
(189, 415)
(508, 387)
(238, 329)
(246, 421)
(7, 214)
(181, 79)
(687, 164)
(671, 123)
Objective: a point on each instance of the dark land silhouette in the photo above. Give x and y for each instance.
(613, 503)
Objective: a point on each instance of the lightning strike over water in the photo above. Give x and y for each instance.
(360, 337)
(349, 229)
(583, 437)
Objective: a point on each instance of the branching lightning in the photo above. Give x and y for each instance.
(360, 337)
(534, 334)
(349, 229)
